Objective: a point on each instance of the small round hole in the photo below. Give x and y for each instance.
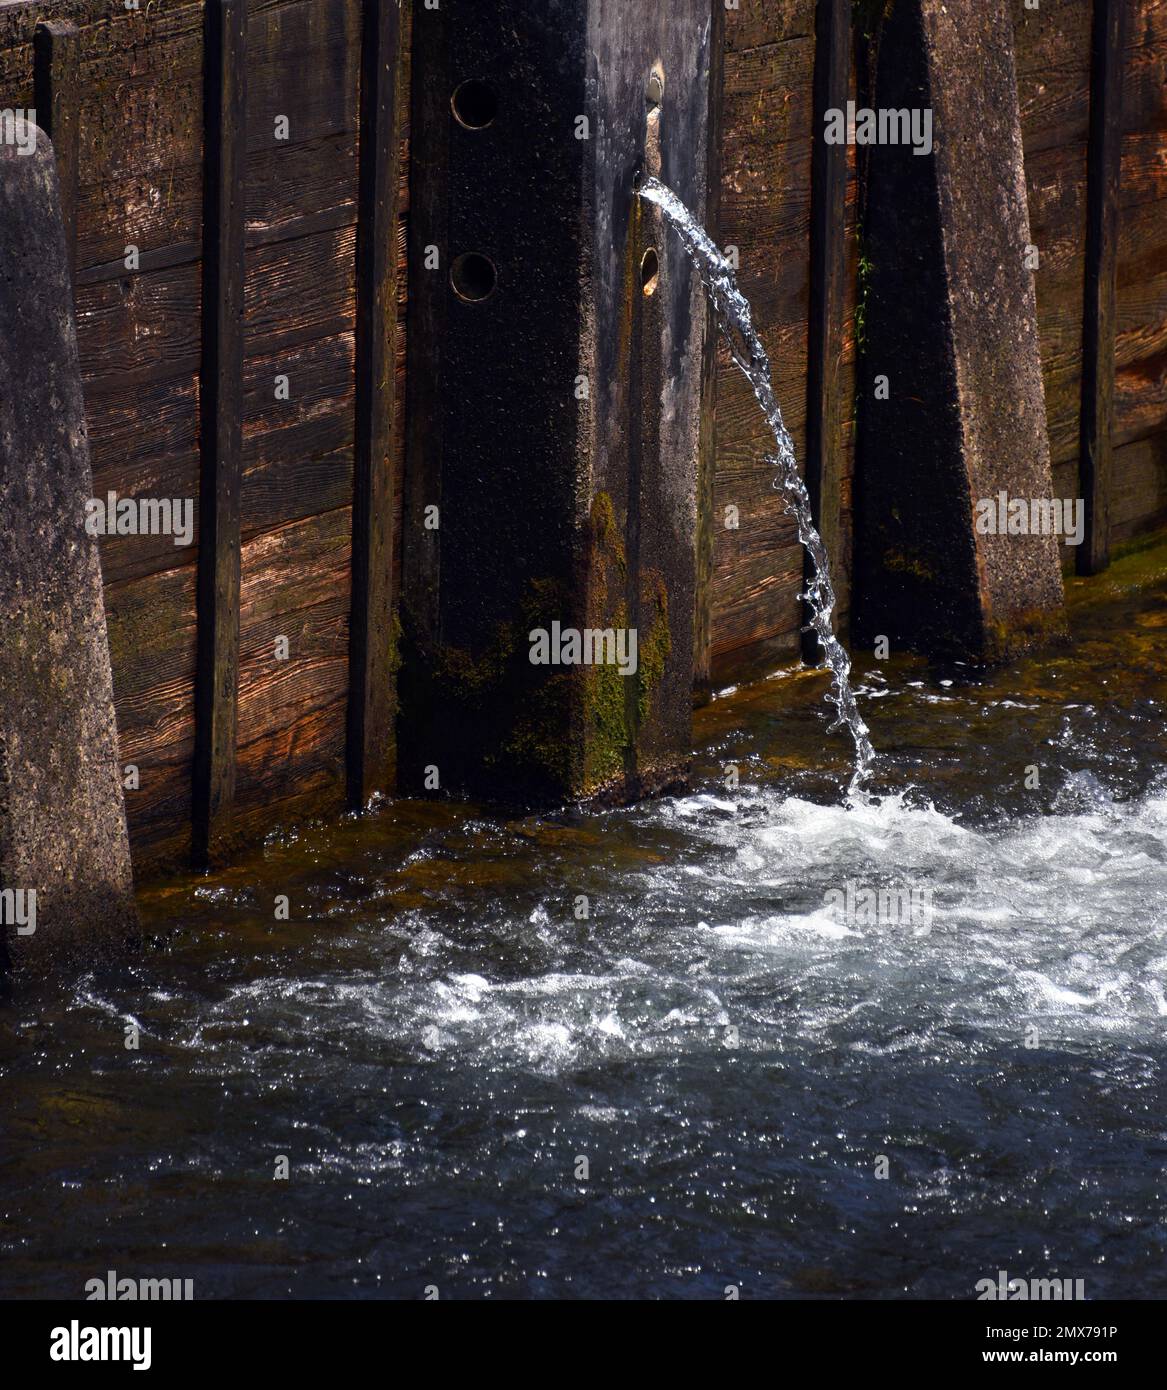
(473, 277)
(649, 271)
(474, 104)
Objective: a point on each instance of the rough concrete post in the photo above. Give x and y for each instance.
(62, 817)
(953, 407)
(556, 366)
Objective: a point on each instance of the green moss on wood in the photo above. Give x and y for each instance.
(653, 651)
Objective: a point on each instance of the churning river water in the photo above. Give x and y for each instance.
(434, 1040)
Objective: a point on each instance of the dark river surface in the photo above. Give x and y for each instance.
(434, 1041)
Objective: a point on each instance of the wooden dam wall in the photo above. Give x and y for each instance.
(765, 151)
(127, 91)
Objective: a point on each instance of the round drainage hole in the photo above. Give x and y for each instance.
(474, 277)
(474, 104)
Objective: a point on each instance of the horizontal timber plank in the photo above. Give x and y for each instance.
(295, 584)
(300, 290)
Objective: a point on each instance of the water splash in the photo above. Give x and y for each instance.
(736, 323)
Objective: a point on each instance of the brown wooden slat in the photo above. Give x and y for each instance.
(1101, 262)
(828, 265)
(372, 675)
(221, 396)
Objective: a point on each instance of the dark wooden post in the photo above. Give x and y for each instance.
(1098, 328)
(706, 538)
(56, 49)
(221, 429)
(828, 256)
(556, 377)
(372, 653)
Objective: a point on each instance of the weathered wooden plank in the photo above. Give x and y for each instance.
(297, 453)
(767, 139)
(297, 291)
(1144, 97)
(848, 368)
(141, 327)
(1052, 54)
(760, 23)
(153, 639)
(158, 213)
(372, 659)
(828, 263)
(172, 477)
(301, 189)
(303, 63)
(1055, 179)
(124, 41)
(295, 587)
(1138, 487)
(706, 538)
(222, 442)
(1098, 327)
(1140, 390)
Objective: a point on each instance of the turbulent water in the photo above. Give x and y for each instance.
(435, 1041)
(735, 320)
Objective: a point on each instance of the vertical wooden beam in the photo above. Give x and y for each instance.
(562, 485)
(706, 539)
(56, 50)
(220, 427)
(372, 694)
(828, 256)
(1098, 329)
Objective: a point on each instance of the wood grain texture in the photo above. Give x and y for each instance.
(152, 642)
(221, 432)
(828, 267)
(1140, 389)
(1052, 53)
(300, 312)
(765, 211)
(292, 712)
(372, 703)
(1098, 327)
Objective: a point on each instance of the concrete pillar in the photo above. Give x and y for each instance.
(556, 341)
(65, 879)
(952, 402)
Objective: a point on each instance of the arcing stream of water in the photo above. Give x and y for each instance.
(736, 323)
